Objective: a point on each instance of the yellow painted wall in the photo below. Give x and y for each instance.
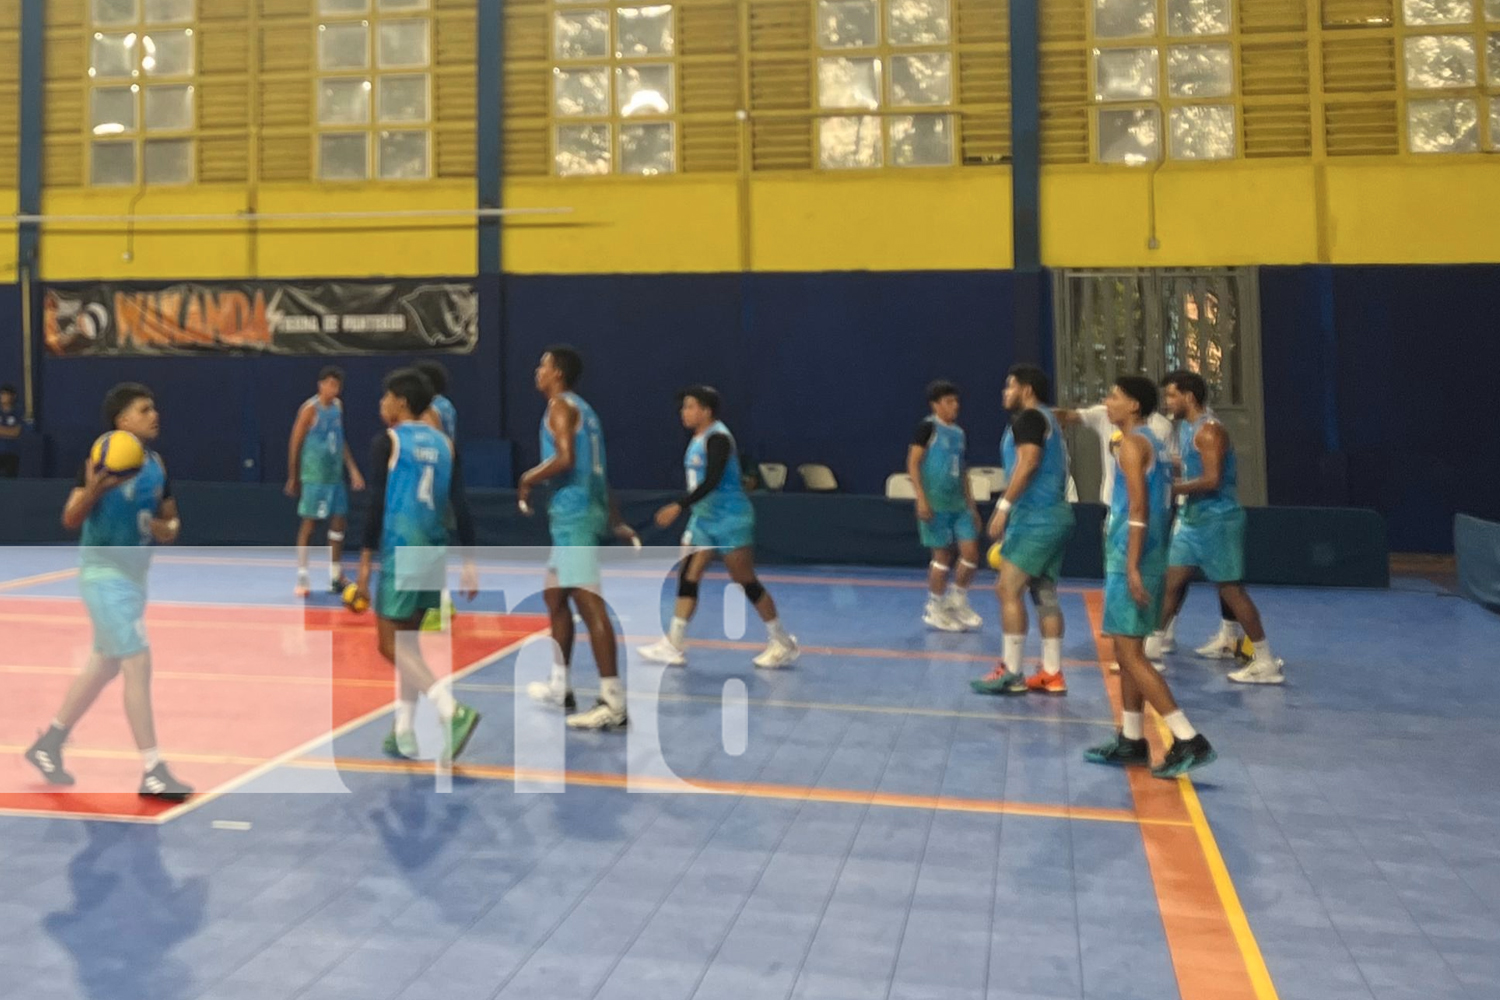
(1381, 212)
(8, 200)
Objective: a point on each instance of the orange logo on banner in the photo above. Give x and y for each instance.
(159, 319)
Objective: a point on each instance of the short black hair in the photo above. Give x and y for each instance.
(331, 371)
(1031, 375)
(568, 361)
(118, 400)
(7, 387)
(1189, 382)
(938, 389)
(706, 395)
(410, 385)
(436, 374)
(1141, 389)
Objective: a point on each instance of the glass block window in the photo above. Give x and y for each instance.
(1162, 79)
(142, 99)
(614, 99)
(374, 90)
(885, 84)
(1450, 61)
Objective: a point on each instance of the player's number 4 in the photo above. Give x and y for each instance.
(424, 488)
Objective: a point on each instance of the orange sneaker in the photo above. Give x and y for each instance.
(1042, 682)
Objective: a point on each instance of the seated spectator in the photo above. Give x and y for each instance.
(10, 430)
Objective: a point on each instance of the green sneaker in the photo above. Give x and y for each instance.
(432, 620)
(1184, 756)
(460, 729)
(1121, 752)
(400, 745)
(999, 681)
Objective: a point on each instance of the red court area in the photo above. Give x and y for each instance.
(234, 688)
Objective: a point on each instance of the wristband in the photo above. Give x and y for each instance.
(1004, 506)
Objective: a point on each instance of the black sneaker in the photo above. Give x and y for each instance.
(1121, 752)
(46, 756)
(337, 586)
(158, 783)
(1184, 756)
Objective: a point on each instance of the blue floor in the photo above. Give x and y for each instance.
(1356, 810)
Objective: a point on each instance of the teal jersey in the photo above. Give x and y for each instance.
(1225, 499)
(416, 488)
(117, 532)
(584, 488)
(323, 448)
(943, 467)
(1158, 517)
(728, 499)
(1048, 487)
(448, 415)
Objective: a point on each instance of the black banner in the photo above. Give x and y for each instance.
(261, 317)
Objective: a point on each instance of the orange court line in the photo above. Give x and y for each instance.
(39, 578)
(1213, 952)
(756, 790)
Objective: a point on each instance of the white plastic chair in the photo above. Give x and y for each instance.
(979, 484)
(898, 486)
(773, 474)
(995, 474)
(817, 478)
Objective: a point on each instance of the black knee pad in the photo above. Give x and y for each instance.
(685, 587)
(1044, 596)
(754, 591)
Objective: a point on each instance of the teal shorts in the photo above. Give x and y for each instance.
(575, 550)
(405, 588)
(117, 609)
(947, 529)
(320, 501)
(1036, 543)
(1124, 617)
(722, 534)
(1215, 545)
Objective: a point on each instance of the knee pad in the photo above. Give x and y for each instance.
(754, 591)
(335, 536)
(685, 587)
(1044, 596)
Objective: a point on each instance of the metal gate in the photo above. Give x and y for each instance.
(1150, 322)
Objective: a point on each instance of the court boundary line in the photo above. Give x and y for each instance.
(37, 579)
(1143, 790)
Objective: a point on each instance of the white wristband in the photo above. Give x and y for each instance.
(1005, 505)
(174, 524)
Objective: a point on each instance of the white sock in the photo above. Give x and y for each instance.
(150, 758)
(1181, 728)
(777, 633)
(1130, 725)
(935, 602)
(958, 596)
(612, 692)
(334, 572)
(406, 715)
(1168, 629)
(1052, 655)
(1014, 649)
(677, 634)
(560, 679)
(1263, 653)
(441, 694)
(1230, 631)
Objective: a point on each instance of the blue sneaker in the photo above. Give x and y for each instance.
(1120, 752)
(1001, 680)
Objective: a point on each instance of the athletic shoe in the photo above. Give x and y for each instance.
(304, 585)
(1260, 672)
(1001, 680)
(778, 654)
(938, 617)
(402, 746)
(1220, 647)
(46, 756)
(1161, 667)
(1158, 644)
(601, 716)
(545, 694)
(158, 783)
(1184, 756)
(432, 620)
(337, 586)
(1042, 682)
(663, 652)
(1120, 752)
(959, 611)
(460, 728)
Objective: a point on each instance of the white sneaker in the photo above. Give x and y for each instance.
(545, 694)
(1159, 644)
(663, 652)
(304, 585)
(1161, 668)
(1220, 647)
(778, 654)
(601, 716)
(963, 614)
(1259, 672)
(936, 616)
